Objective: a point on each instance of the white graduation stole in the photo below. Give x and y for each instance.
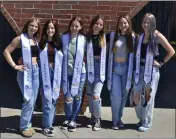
(27, 61)
(148, 66)
(57, 73)
(77, 65)
(90, 62)
(49, 90)
(110, 61)
(148, 63)
(130, 67)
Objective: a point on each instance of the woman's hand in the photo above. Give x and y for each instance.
(156, 63)
(159, 64)
(20, 67)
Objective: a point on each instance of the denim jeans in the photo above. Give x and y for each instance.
(48, 105)
(28, 106)
(118, 94)
(145, 114)
(95, 89)
(72, 107)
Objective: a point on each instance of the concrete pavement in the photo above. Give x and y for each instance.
(163, 125)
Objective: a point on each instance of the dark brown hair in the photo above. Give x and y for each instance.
(128, 33)
(55, 38)
(78, 19)
(26, 25)
(90, 32)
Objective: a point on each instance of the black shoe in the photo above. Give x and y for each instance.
(72, 126)
(52, 129)
(91, 122)
(47, 132)
(139, 124)
(65, 125)
(97, 125)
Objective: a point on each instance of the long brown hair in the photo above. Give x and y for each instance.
(55, 38)
(78, 19)
(90, 32)
(26, 25)
(128, 33)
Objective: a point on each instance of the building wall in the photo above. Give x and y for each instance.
(18, 12)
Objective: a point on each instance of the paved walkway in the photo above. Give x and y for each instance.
(163, 125)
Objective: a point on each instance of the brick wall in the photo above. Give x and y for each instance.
(18, 12)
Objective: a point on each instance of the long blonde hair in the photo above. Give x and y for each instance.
(152, 39)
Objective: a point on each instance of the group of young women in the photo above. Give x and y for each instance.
(69, 60)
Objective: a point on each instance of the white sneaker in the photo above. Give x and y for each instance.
(72, 126)
(97, 125)
(115, 127)
(143, 129)
(65, 125)
(47, 132)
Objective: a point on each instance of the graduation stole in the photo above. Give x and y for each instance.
(27, 61)
(49, 90)
(90, 61)
(148, 62)
(80, 44)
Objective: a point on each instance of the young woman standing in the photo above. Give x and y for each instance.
(51, 70)
(74, 71)
(27, 71)
(147, 70)
(120, 67)
(96, 65)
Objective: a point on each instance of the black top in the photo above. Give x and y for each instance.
(34, 51)
(143, 50)
(96, 45)
(51, 51)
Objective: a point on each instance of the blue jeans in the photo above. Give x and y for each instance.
(72, 107)
(48, 105)
(118, 94)
(28, 106)
(145, 114)
(95, 89)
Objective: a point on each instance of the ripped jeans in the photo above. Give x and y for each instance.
(145, 114)
(72, 104)
(94, 90)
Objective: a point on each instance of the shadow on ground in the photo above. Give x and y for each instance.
(11, 124)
